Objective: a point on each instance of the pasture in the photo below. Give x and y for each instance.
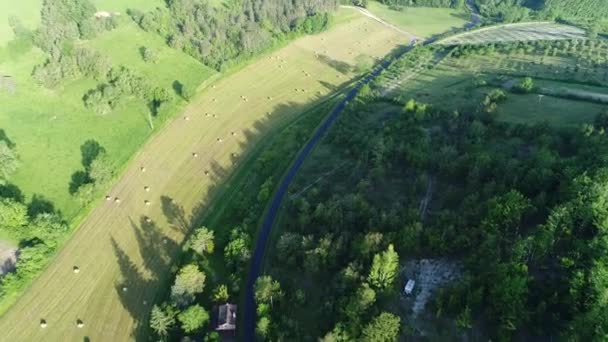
(515, 33)
(39, 119)
(124, 249)
(423, 22)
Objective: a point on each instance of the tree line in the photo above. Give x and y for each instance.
(221, 36)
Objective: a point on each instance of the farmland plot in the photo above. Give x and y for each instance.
(516, 32)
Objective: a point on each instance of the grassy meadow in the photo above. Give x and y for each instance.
(39, 119)
(423, 22)
(184, 163)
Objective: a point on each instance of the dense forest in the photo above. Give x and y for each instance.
(519, 207)
(220, 36)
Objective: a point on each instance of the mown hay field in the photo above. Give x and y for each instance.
(124, 250)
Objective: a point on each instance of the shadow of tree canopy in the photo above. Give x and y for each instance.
(40, 205)
(135, 289)
(175, 213)
(339, 66)
(89, 150)
(5, 138)
(328, 85)
(79, 178)
(178, 88)
(11, 191)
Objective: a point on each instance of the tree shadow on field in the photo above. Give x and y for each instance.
(339, 66)
(40, 205)
(139, 284)
(175, 214)
(328, 85)
(5, 138)
(89, 150)
(178, 88)
(11, 191)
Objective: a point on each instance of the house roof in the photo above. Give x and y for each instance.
(226, 319)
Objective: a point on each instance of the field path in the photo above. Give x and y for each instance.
(124, 250)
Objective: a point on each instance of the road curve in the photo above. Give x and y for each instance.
(249, 313)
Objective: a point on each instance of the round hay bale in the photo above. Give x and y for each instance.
(79, 323)
(214, 115)
(194, 154)
(116, 200)
(125, 289)
(213, 86)
(206, 173)
(148, 220)
(207, 114)
(214, 99)
(147, 188)
(76, 269)
(146, 202)
(233, 133)
(187, 118)
(142, 169)
(43, 323)
(108, 198)
(234, 155)
(269, 113)
(219, 139)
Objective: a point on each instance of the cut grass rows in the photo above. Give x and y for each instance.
(516, 32)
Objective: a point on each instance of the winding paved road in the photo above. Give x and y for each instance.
(257, 259)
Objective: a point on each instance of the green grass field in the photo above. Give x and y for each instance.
(113, 246)
(421, 21)
(37, 119)
(28, 11)
(123, 45)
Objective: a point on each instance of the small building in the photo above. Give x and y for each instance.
(409, 286)
(226, 317)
